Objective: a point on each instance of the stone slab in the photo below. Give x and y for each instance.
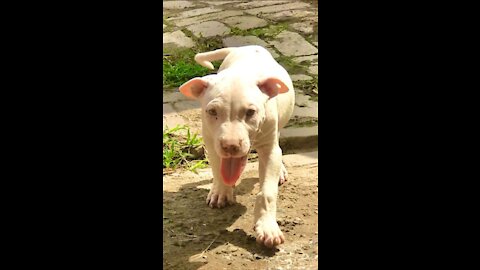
(307, 27)
(300, 132)
(306, 111)
(313, 69)
(245, 22)
(238, 41)
(277, 8)
(289, 14)
(313, 18)
(209, 29)
(205, 18)
(311, 58)
(177, 4)
(178, 38)
(255, 4)
(298, 138)
(304, 100)
(300, 77)
(197, 12)
(293, 44)
(219, 3)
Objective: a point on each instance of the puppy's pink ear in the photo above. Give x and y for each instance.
(272, 87)
(194, 88)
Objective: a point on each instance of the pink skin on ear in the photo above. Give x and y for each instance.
(273, 87)
(193, 88)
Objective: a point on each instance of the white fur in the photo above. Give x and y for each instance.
(248, 78)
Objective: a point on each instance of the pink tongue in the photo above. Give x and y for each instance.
(231, 168)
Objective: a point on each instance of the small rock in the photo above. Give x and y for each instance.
(258, 257)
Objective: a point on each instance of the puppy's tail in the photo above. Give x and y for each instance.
(205, 59)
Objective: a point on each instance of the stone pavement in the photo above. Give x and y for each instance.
(237, 23)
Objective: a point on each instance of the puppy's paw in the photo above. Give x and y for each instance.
(268, 232)
(283, 175)
(219, 197)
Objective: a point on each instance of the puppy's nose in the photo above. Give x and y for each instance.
(231, 146)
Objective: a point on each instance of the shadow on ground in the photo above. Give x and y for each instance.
(190, 226)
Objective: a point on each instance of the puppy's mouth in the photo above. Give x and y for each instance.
(232, 168)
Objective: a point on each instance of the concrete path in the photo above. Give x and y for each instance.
(296, 42)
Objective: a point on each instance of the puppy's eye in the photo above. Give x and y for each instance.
(212, 112)
(250, 113)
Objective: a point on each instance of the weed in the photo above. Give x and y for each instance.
(179, 65)
(181, 148)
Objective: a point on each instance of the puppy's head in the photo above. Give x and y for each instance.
(233, 111)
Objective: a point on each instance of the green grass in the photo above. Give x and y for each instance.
(179, 65)
(182, 149)
(291, 66)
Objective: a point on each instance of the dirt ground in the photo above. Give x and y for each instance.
(198, 237)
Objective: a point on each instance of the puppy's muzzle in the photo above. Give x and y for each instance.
(231, 146)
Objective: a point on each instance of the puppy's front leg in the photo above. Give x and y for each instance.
(220, 194)
(266, 227)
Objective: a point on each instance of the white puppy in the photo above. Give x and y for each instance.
(243, 107)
